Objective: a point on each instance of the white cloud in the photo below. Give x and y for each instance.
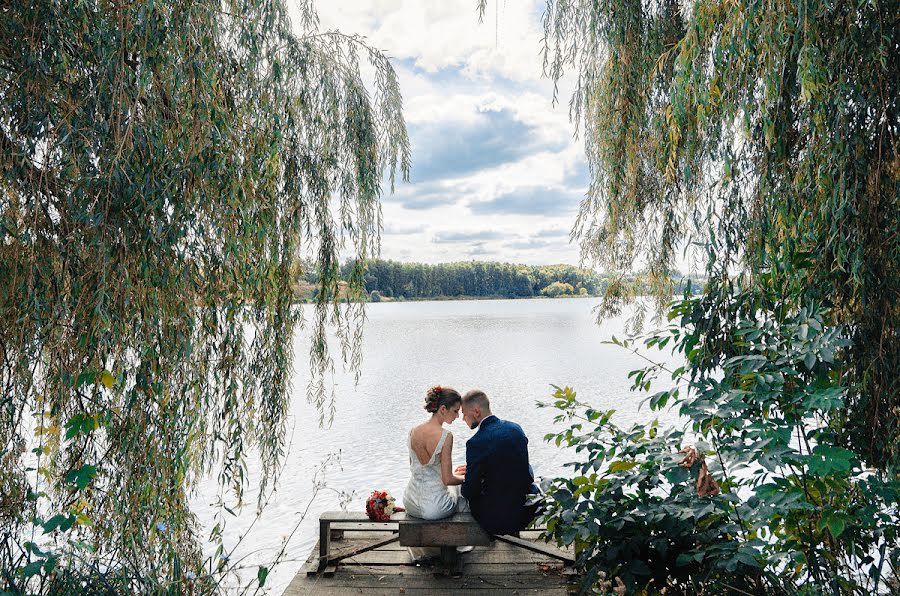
(489, 148)
(446, 34)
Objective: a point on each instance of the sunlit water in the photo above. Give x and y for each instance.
(512, 349)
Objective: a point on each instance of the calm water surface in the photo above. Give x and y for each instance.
(512, 349)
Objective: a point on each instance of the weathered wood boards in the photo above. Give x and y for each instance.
(540, 548)
(498, 568)
(460, 529)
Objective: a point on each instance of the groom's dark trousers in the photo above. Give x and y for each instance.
(498, 477)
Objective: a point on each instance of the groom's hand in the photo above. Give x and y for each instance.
(461, 470)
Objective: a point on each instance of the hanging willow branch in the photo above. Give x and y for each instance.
(164, 167)
(764, 133)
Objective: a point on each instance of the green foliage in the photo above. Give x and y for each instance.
(760, 391)
(165, 169)
(471, 279)
(758, 132)
(261, 576)
(631, 510)
(557, 288)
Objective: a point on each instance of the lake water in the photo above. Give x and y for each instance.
(512, 349)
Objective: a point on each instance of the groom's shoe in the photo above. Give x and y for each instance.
(464, 549)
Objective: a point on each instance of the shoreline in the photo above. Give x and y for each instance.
(384, 300)
(475, 298)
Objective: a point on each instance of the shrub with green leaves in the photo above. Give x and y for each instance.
(759, 393)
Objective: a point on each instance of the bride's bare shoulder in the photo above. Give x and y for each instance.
(420, 432)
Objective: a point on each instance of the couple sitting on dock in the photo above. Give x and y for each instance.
(496, 480)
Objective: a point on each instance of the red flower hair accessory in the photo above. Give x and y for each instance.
(433, 397)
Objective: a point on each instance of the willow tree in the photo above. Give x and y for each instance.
(164, 166)
(766, 133)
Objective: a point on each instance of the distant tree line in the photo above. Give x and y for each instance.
(478, 279)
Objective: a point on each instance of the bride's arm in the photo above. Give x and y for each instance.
(447, 475)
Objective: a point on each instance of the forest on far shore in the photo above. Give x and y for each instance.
(387, 280)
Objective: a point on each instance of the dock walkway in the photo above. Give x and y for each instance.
(496, 569)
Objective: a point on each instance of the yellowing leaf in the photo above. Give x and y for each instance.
(621, 466)
(107, 379)
(53, 429)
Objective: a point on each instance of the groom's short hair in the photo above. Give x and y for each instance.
(477, 397)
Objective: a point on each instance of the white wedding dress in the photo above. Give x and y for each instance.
(426, 496)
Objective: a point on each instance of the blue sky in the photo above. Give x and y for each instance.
(496, 172)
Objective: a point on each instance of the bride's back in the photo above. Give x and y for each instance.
(424, 440)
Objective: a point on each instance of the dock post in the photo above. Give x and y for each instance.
(450, 560)
(324, 542)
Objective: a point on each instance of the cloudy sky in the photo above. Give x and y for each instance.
(496, 173)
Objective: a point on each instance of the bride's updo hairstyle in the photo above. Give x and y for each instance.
(439, 396)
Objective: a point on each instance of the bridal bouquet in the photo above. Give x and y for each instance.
(380, 505)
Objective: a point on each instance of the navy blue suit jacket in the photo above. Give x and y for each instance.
(498, 477)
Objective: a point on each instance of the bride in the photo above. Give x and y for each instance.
(433, 489)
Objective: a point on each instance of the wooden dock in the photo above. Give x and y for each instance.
(500, 568)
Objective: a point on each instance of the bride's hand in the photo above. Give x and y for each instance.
(461, 470)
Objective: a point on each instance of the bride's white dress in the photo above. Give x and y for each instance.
(426, 496)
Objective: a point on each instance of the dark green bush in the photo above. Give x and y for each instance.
(760, 394)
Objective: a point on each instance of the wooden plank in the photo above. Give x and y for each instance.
(540, 548)
(380, 557)
(395, 554)
(327, 590)
(388, 557)
(324, 543)
(476, 580)
(314, 569)
(369, 536)
(357, 516)
(503, 568)
(366, 526)
(338, 522)
(311, 567)
(460, 529)
(339, 528)
(443, 535)
(360, 549)
(488, 584)
(482, 581)
(530, 534)
(469, 569)
(338, 516)
(360, 536)
(451, 562)
(500, 557)
(478, 569)
(457, 518)
(331, 517)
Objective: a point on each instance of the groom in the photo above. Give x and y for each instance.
(498, 477)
